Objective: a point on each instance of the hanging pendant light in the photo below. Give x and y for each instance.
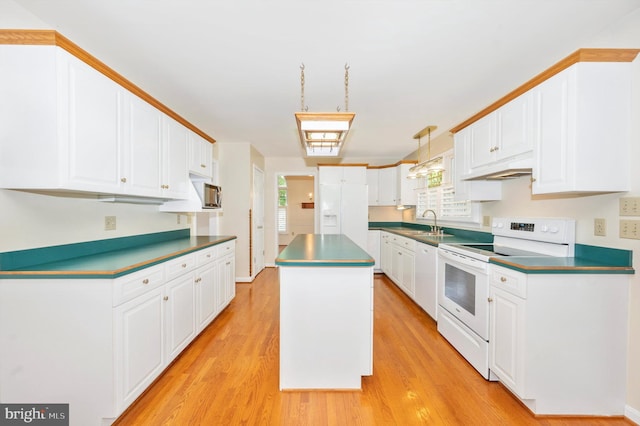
(422, 169)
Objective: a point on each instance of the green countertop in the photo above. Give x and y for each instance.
(101, 259)
(587, 260)
(326, 250)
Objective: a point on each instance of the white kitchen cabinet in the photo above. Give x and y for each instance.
(387, 188)
(385, 252)
(583, 132)
(227, 286)
(559, 341)
(405, 194)
(356, 174)
(200, 155)
(373, 248)
(113, 337)
(473, 190)
(402, 258)
(140, 334)
(91, 135)
(425, 278)
(502, 135)
(180, 314)
(373, 176)
(141, 172)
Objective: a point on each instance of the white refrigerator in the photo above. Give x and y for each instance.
(344, 210)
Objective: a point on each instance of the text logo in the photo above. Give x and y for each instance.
(34, 414)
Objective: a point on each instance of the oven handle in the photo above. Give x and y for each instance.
(463, 260)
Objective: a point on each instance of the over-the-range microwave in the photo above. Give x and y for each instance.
(211, 196)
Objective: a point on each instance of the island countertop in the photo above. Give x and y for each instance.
(323, 250)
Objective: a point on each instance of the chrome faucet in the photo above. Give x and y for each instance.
(434, 227)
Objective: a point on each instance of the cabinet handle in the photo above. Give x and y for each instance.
(184, 265)
(165, 298)
(123, 180)
(209, 255)
(145, 281)
(491, 149)
(228, 263)
(503, 279)
(203, 166)
(489, 299)
(533, 179)
(496, 148)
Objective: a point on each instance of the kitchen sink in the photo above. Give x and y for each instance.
(426, 234)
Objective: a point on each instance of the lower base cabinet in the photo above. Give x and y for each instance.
(559, 341)
(97, 344)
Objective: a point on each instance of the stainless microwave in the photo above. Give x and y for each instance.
(212, 196)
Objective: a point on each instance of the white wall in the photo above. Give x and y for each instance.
(29, 220)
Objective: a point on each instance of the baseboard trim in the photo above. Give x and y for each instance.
(632, 414)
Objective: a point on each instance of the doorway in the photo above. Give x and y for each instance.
(296, 206)
(257, 243)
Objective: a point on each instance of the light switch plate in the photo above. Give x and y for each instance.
(109, 223)
(599, 227)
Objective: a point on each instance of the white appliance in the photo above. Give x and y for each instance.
(344, 210)
(463, 278)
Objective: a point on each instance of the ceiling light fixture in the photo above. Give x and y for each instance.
(323, 133)
(422, 169)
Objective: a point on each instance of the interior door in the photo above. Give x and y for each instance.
(258, 221)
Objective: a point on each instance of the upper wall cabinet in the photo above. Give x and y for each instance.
(200, 156)
(473, 190)
(339, 174)
(405, 194)
(583, 129)
(569, 127)
(68, 127)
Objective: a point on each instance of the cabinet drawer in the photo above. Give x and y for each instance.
(183, 264)
(137, 283)
(207, 255)
(509, 281)
(409, 244)
(226, 248)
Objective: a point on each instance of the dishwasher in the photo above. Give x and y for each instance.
(426, 290)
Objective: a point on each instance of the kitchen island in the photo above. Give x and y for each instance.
(326, 313)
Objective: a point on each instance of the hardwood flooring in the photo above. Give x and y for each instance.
(229, 375)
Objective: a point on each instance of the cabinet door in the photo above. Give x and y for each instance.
(507, 339)
(515, 127)
(407, 279)
(372, 184)
(385, 253)
(387, 187)
(175, 175)
(139, 342)
(141, 159)
(206, 280)
(478, 190)
(373, 247)
(180, 314)
(405, 194)
(200, 155)
(355, 175)
(93, 128)
(330, 175)
(227, 282)
(483, 141)
(551, 163)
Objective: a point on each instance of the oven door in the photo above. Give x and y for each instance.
(463, 290)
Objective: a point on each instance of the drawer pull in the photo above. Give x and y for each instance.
(184, 265)
(503, 279)
(228, 263)
(165, 298)
(489, 299)
(123, 180)
(145, 281)
(209, 255)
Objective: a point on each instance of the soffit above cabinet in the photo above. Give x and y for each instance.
(54, 38)
(580, 55)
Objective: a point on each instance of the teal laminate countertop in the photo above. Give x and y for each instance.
(587, 260)
(104, 258)
(326, 250)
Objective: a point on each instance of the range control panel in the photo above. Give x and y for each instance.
(553, 230)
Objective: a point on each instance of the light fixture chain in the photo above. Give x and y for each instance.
(346, 87)
(303, 107)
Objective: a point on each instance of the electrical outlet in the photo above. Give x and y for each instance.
(109, 223)
(630, 229)
(599, 227)
(630, 206)
(178, 219)
(486, 220)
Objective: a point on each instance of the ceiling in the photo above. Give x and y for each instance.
(232, 68)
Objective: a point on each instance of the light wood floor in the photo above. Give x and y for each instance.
(229, 375)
